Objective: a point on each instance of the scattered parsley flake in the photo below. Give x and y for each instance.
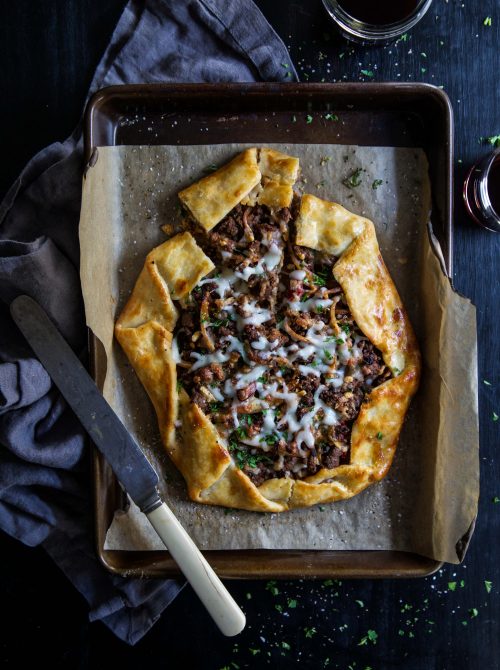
(331, 117)
(377, 183)
(285, 65)
(371, 636)
(321, 508)
(341, 55)
(487, 21)
(403, 38)
(309, 119)
(254, 652)
(401, 632)
(473, 612)
(496, 499)
(324, 159)
(292, 603)
(249, 596)
(279, 608)
(423, 70)
(328, 582)
(485, 381)
(346, 329)
(271, 586)
(452, 586)
(354, 179)
(309, 632)
(367, 73)
(488, 585)
(380, 435)
(286, 646)
(495, 416)
(294, 119)
(320, 184)
(423, 54)
(494, 140)
(360, 603)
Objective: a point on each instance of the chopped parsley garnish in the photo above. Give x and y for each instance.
(254, 652)
(354, 179)
(496, 500)
(309, 632)
(360, 603)
(292, 603)
(495, 416)
(270, 439)
(319, 278)
(486, 382)
(320, 309)
(331, 117)
(488, 585)
(494, 140)
(328, 582)
(286, 646)
(324, 160)
(328, 355)
(215, 406)
(271, 586)
(379, 435)
(244, 457)
(473, 612)
(262, 380)
(294, 119)
(346, 329)
(487, 21)
(371, 636)
(309, 119)
(377, 183)
(339, 340)
(279, 608)
(367, 73)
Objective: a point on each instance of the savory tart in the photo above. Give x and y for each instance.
(272, 342)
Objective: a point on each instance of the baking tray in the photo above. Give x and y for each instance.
(405, 115)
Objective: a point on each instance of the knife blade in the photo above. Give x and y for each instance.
(125, 457)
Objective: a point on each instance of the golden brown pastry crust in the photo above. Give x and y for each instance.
(145, 328)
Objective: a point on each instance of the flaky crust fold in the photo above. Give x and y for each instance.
(144, 330)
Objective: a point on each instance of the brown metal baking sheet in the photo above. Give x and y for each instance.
(372, 115)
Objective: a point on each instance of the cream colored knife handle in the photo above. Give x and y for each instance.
(209, 588)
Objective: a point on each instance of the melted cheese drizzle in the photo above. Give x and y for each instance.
(324, 355)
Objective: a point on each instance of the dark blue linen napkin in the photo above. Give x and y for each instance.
(45, 484)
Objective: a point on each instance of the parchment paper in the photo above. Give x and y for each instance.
(428, 501)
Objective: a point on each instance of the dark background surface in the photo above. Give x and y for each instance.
(48, 53)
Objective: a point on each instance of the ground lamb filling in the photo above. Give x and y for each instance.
(267, 348)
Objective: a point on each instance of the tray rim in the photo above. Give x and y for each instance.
(228, 563)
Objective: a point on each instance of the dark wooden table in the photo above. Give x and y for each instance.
(448, 621)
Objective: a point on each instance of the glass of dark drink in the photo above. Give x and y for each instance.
(375, 21)
(482, 192)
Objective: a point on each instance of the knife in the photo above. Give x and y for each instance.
(125, 457)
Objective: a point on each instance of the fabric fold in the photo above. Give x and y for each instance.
(45, 496)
